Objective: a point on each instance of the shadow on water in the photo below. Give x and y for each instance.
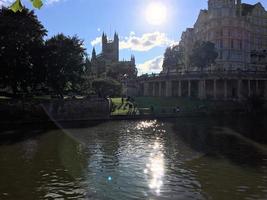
(50, 166)
(79, 124)
(19, 133)
(225, 138)
(24, 133)
(253, 127)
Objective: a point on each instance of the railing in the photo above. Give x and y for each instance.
(204, 74)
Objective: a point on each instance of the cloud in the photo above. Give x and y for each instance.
(151, 66)
(145, 42)
(96, 41)
(49, 2)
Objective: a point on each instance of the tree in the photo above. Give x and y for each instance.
(65, 62)
(107, 87)
(119, 71)
(17, 5)
(204, 54)
(173, 58)
(88, 67)
(21, 43)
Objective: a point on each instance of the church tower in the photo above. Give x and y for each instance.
(110, 48)
(109, 58)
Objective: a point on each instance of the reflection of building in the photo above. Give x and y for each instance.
(235, 28)
(108, 59)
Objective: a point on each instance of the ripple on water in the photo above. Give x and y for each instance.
(137, 160)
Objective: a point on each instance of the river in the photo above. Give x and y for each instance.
(192, 158)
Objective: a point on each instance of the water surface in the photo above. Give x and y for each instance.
(178, 159)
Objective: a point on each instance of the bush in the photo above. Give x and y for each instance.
(107, 87)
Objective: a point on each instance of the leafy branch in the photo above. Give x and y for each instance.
(17, 5)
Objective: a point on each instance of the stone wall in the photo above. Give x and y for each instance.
(78, 109)
(31, 111)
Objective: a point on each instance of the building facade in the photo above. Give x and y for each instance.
(237, 30)
(108, 60)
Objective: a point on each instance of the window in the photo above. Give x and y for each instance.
(220, 55)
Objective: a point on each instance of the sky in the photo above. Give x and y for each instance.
(145, 27)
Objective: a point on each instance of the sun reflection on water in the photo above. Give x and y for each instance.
(146, 124)
(155, 168)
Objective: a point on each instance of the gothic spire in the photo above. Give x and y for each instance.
(93, 54)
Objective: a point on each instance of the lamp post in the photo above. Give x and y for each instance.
(126, 84)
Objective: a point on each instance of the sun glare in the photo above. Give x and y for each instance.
(156, 13)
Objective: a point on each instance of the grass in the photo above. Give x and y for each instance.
(159, 105)
(168, 104)
(121, 108)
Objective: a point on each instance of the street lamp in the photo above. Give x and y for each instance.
(125, 76)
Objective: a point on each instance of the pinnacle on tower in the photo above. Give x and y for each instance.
(133, 59)
(104, 38)
(93, 54)
(116, 37)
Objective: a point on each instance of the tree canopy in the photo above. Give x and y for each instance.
(30, 64)
(65, 62)
(107, 87)
(58, 66)
(173, 58)
(204, 54)
(21, 41)
(121, 70)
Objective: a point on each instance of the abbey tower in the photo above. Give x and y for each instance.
(108, 60)
(110, 48)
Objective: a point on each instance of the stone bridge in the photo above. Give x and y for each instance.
(222, 85)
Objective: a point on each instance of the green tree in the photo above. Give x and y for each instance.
(107, 87)
(173, 58)
(204, 54)
(65, 62)
(88, 67)
(21, 43)
(85, 88)
(119, 71)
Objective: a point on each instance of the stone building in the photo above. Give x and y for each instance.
(239, 32)
(235, 28)
(108, 59)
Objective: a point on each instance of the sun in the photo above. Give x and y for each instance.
(156, 13)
